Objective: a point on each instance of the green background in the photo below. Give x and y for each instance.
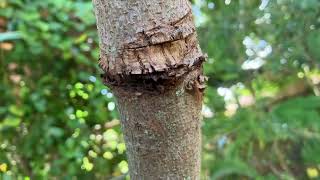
(261, 109)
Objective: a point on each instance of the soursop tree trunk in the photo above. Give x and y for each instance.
(153, 64)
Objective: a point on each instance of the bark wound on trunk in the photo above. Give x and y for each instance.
(153, 64)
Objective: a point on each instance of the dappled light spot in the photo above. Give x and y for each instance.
(207, 112)
(312, 173)
(104, 91)
(92, 154)
(123, 166)
(86, 164)
(253, 64)
(92, 79)
(108, 155)
(111, 106)
(211, 5)
(257, 50)
(264, 4)
(3, 167)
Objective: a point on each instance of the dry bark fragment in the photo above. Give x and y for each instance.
(145, 37)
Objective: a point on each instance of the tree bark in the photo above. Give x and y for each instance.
(153, 64)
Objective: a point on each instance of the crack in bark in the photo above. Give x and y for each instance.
(159, 58)
(189, 13)
(156, 57)
(173, 31)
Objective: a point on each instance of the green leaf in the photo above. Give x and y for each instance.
(233, 167)
(11, 122)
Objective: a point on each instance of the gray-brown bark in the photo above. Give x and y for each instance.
(162, 132)
(153, 64)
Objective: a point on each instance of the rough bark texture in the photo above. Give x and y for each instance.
(162, 132)
(153, 64)
(146, 36)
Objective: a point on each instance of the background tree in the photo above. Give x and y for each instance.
(261, 106)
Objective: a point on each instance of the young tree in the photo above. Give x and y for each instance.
(153, 64)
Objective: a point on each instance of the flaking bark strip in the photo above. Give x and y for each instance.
(179, 52)
(164, 57)
(159, 81)
(158, 46)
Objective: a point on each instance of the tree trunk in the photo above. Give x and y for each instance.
(153, 64)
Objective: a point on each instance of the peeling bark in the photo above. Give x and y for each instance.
(153, 64)
(143, 37)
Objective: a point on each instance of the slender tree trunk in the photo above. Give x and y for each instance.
(153, 64)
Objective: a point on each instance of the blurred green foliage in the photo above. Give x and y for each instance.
(261, 110)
